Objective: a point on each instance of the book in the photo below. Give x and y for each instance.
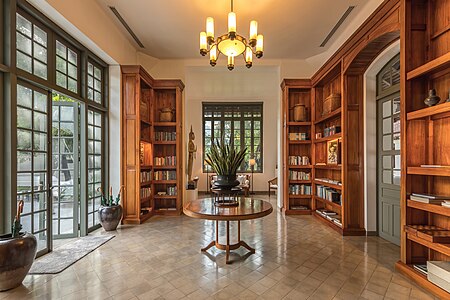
(422, 269)
(444, 204)
(425, 200)
(431, 166)
(430, 196)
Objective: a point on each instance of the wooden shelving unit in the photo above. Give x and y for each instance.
(425, 131)
(142, 99)
(297, 92)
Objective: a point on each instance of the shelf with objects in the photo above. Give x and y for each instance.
(425, 106)
(151, 179)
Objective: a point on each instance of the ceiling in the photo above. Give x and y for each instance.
(170, 29)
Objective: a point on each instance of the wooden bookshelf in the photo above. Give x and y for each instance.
(425, 64)
(142, 99)
(297, 92)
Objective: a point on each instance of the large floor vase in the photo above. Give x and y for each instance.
(226, 182)
(16, 257)
(110, 216)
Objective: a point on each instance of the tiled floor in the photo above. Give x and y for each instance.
(297, 258)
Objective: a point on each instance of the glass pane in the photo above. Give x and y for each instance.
(66, 113)
(40, 183)
(23, 139)
(23, 43)
(72, 57)
(24, 182)
(396, 103)
(24, 96)
(397, 164)
(66, 145)
(40, 221)
(66, 225)
(61, 65)
(97, 97)
(40, 141)
(90, 94)
(61, 50)
(387, 162)
(40, 52)
(387, 177)
(40, 122)
(24, 118)
(396, 123)
(26, 223)
(97, 73)
(40, 201)
(90, 69)
(40, 101)
(40, 161)
(66, 129)
(97, 85)
(396, 177)
(61, 80)
(23, 62)
(23, 161)
(23, 25)
(396, 138)
(387, 112)
(387, 126)
(72, 85)
(40, 36)
(27, 208)
(72, 71)
(387, 143)
(40, 69)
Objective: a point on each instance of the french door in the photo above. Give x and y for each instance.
(65, 169)
(33, 156)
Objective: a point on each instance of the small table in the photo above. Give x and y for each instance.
(246, 210)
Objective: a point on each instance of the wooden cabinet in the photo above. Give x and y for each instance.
(425, 134)
(151, 149)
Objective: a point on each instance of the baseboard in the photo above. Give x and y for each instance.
(372, 233)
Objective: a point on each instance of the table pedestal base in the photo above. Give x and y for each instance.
(228, 247)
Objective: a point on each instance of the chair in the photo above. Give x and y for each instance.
(244, 183)
(273, 184)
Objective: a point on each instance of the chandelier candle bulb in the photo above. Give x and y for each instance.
(232, 23)
(213, 56)
(203, 44)
(230, 63)
(248, 57)
(259, 45)
(253, 32)
(210, 29)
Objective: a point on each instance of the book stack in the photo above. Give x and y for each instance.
(298, 136)
(295, 189)
(298, 175)
(331, 130)
(421, 268)
(299, 207)
(446, 203)
(430, 199)
(439, 273)
(298, 160)
(330, 215)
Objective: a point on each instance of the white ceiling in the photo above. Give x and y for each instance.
(292, 29)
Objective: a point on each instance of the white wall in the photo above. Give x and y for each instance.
(370, 136)
(219, 84)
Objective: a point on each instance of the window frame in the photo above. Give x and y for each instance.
(242, 119)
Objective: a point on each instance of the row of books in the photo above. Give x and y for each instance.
(172, 191)
(146, 176)
(331, 130)
(328, 193)
(299, 189)
(165, 161)
(165, 136)
(298, 136)
(299, 207)
(330, 215)
(299, 160)
(145, 192)
(296, 175)
(165, 175)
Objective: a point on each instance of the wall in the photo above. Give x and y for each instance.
(219, 84)
(370, 136)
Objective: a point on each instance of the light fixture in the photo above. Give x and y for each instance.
(231, 44)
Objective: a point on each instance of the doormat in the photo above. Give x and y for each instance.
(63, 257)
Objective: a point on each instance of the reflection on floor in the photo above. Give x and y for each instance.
(297, 258)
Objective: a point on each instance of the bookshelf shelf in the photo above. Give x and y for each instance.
(331, 185)
(146, 183)
(433, 111)
(164, 181)
(165, 142)
(293, 211)
(300, 142)
(164, 167)
(441, 171)
(300, 196)
(328, 138)
(335, 205)
(299, 123)
(300, 166)
(434, 65)
(334, 114)
(442, 248)
(328, 167)
(165, 124)
(299, 181)
(433, 208)
(162, 197)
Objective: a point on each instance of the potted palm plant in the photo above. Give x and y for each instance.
(110, 211)
(17, 253)
(225, 160)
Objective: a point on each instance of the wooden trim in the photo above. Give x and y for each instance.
(431, 66)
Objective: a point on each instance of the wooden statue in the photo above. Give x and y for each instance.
(192, 149)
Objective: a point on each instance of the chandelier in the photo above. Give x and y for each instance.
(231, 44)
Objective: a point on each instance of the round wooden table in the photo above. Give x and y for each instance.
(246, 210)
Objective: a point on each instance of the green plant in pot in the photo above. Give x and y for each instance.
(225, 160)
(110, 211)
(17, 253)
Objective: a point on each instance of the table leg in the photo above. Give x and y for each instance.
(228, 244)
(213, 243)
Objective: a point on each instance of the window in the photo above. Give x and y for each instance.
(94, 83)
(239, 123)
(31, 47)
(66, 67)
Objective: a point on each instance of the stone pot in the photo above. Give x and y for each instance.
(226, 182)
(16, 257)
(110, 216)
(432, 98)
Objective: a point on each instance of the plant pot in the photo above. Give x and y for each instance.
(16, 257)
(226, 182)
(166, 115)
(110, 216)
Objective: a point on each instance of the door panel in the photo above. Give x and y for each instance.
(388, 154)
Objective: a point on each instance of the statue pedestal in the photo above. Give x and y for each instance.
(191, 195)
